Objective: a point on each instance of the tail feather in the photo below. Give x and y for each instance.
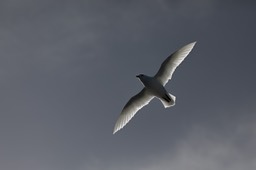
(167, 102)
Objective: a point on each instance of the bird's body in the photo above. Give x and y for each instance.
(154, 87)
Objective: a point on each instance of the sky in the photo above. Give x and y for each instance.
(67, 69)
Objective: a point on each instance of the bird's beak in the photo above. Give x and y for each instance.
(137, 76)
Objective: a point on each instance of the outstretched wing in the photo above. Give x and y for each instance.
(134, 104)
(167, 68)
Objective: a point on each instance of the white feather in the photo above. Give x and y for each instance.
(167, 68)
(134, 104)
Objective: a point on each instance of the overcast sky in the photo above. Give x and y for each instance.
(67, 69)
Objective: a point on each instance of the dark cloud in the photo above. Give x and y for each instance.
(68, 67)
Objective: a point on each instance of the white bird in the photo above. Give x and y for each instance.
(154, 87)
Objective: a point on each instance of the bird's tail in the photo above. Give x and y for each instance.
(168, 100)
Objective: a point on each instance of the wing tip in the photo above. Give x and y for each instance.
(192, 44)
(115, 130)
(118, 126)
(188, 48)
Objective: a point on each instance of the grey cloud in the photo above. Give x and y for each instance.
(207, 150)
(68, 67)
(200, 148)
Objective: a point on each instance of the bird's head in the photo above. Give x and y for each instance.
(140, 76)
(143, 78)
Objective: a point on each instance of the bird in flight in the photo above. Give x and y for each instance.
(154, 87)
